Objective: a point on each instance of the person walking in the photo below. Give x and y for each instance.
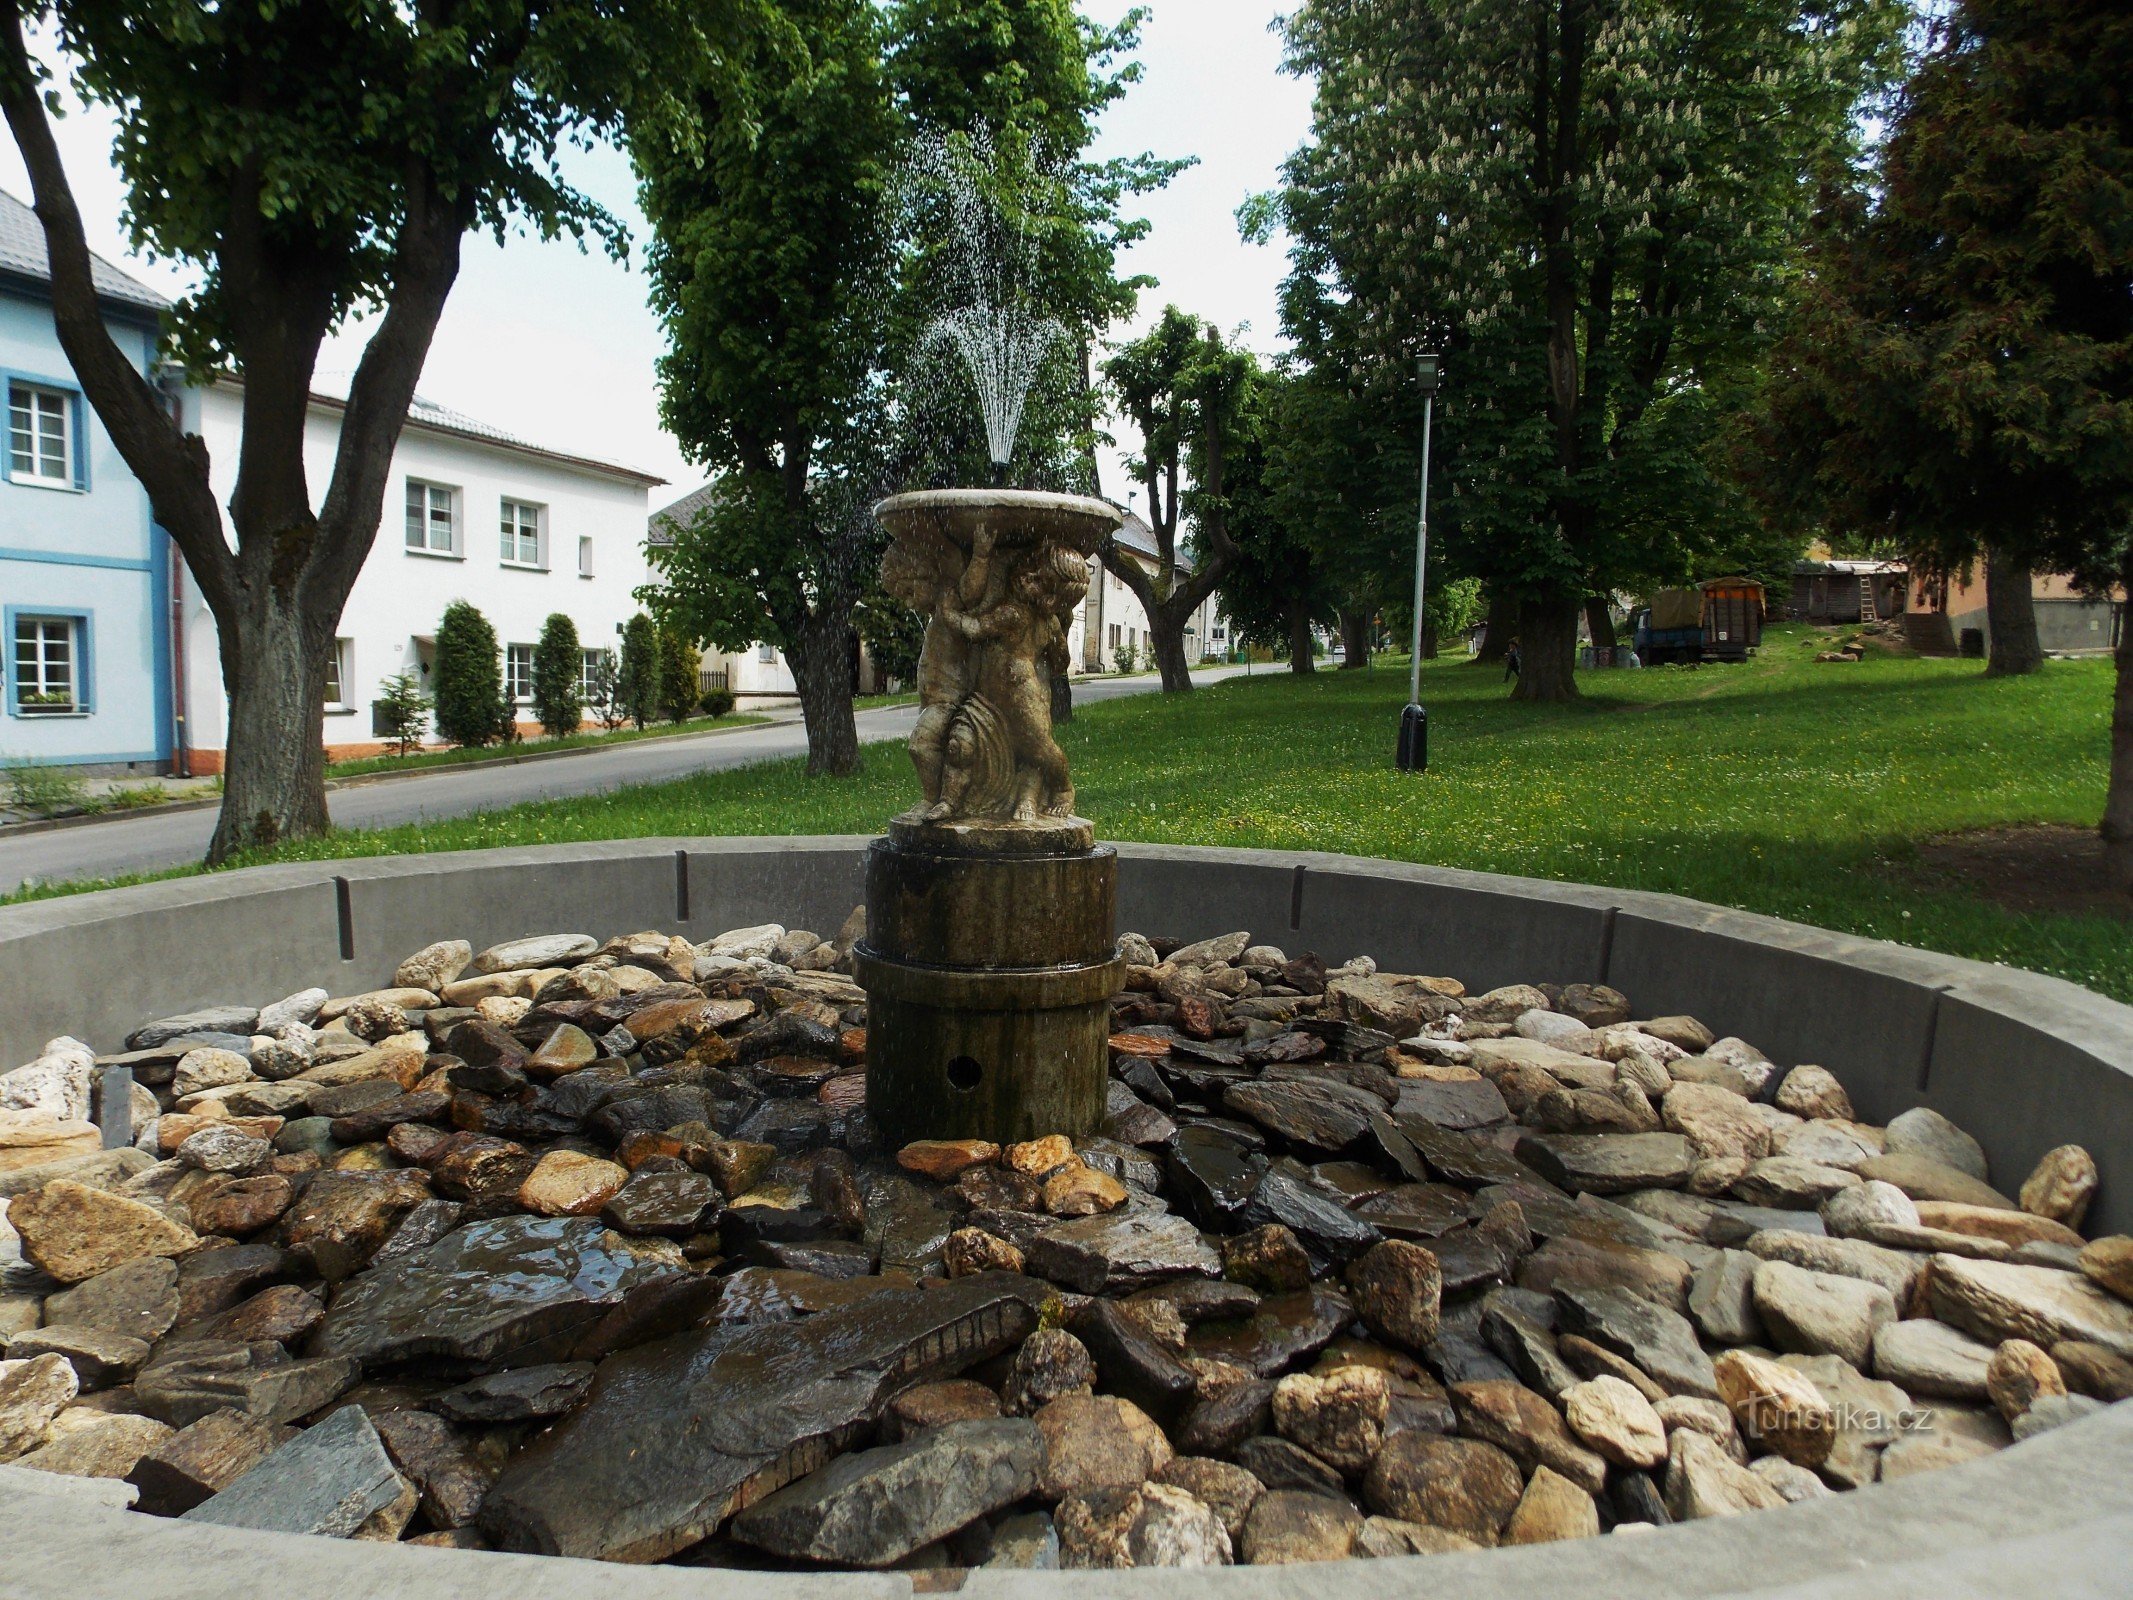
(1510, 661)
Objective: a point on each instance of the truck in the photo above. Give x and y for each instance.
(1721, 620)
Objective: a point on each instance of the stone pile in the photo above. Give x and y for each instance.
(591, 1249)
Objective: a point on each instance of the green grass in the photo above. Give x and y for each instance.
(1779, 786)
(467, 756)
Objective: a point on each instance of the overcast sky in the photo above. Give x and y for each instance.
(557, 345)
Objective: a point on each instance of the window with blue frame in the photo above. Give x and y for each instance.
(43, 435)
(50, 675)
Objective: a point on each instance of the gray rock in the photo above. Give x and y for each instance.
(1609, 1163)
(1903, 1275)
(1025, 1542)
(138, 1300)
(874, 1508)
(1790, 1183)
(1854, 1213)
(542, 950)
(1925, 1357)
(328, 1480)
(1722, 1299)
(503, 1292)
(2054, 1411)
(1661, 1342)
(678, 1434)
(524, 1394)
(211, 1019)
(99, 1359)
(1121, 1251)
(1922, 1131)
(1820, 1313)
(257, 1380)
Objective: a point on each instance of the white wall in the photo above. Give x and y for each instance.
(401, 593)
(1118, 609)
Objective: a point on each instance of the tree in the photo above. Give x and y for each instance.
(1278, 588)
(678, 680)
(1588, 206)
(1961, 360)
(314, 162)
(894, 634)
(471, 708)
(637, 679)
(605, 699)
(1187, 393)
(401, 710)
(558, 677)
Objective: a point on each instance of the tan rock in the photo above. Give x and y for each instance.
(1552, 1508)
(2108, 1263)
(945, 1160)
(1703, 1481)
(1039, 1156)
(568, 1183)
(1461, 1485)
(1291, 1527)
(1094, 1442)
(1380, 1538)
(1814, 1092)
(1777, 1406)
(1720, 1124)
(1990, 1222)
(32, 1393)
(198, 1070)
(434, 965)
(1615, 1419)
(1998, 1300)
(1338, 1416)
(2019, 1375)
(95, 1444)
(74, 1232)
(973, 1250)
(1080, 1191)
(31, 1138)
(1523, 1425)
(2062, 1185)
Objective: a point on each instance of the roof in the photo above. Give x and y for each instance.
(429, 417)
(681, 512)
(23, 255)
(1863, 569)
(1135, 535)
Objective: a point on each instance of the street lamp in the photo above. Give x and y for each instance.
(1414, 720)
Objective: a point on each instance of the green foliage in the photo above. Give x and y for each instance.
(558, 677)
(894, 634)
(678, 691)
(1124, 658)
(718, 702)
(1281, 577)
(469, 678)
(637, 682)
(1598, 267)
(401, 710)
(44, 789)
(604, 698)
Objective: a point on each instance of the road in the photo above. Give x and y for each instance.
(107, 849)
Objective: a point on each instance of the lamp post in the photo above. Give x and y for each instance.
(1414, 719)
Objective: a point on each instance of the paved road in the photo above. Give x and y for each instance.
(144, 843)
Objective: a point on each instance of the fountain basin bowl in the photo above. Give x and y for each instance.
(1016, 517)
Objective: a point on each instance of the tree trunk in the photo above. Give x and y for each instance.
(2118, 799)
(1503, 622)
(1300, 641)
(1355, 638)
(820, 653)
(1062, 699)
(1547, 648)
(1166, 637)
(274, 771)
(1600, 622)
(2011, 616)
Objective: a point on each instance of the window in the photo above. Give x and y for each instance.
(338, 661)
(767, 654)
(585, 556)
(521, 525)
(518, 672)
(40, 435)
(48, 676)
(432, 518)
(591, 664)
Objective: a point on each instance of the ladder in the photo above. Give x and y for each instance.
(1867, 611)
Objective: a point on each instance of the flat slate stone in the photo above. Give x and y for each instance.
(495, 1292)
(874, 1508)
(1661, 1342)
(1121, 1251)
(676, 1435)
(237, 1020)
(1609, 1163)
(1328, 1230)
(328, 1480)
(524, 1394)
(1458, 1105)
(1282, 1330)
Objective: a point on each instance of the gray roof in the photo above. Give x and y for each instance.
(1135, 535)
(682, 511)
(22, 254)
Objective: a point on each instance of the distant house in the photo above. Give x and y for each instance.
(85, 574)
(1836, 590)
(2068, 621)
(1112, 619)
(472, 513)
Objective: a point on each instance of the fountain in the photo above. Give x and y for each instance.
(989, 961)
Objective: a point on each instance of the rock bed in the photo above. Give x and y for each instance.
(590, 1249)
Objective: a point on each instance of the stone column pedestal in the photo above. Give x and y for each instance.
(989, 963)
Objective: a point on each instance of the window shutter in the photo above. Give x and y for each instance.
(78, 408)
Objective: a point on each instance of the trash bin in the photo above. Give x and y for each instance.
(1973, 644)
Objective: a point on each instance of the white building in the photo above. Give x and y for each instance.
(471, 513)
(1112, 619)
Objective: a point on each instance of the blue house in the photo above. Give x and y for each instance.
(86, 580)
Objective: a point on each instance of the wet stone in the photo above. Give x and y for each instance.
(1329, 1231)
(1282, 1331)
(138, 1300)
(669, 1205)
(523, 1394)
(1661, 1342)
(1461, 1485)
(1609, 1163)
(503, 1291)
(1120, 1252)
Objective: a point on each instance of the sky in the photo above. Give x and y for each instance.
(557, 345)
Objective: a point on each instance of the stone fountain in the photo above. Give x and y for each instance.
(989, 961)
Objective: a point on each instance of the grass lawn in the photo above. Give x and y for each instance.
(1779, 786)
(469, 755)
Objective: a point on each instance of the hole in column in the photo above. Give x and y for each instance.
(964, 1074)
